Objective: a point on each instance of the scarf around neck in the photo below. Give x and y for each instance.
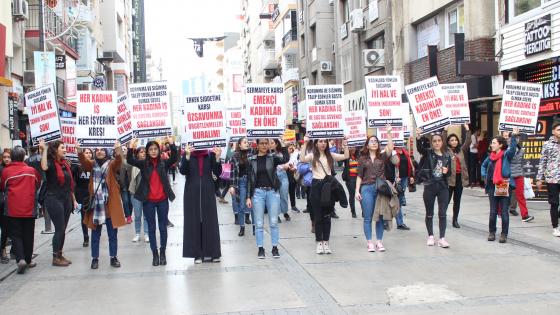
(498, 158)
(200, 155)
(59, 164)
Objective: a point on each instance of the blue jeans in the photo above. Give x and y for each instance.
(137, 206)
(503, 204)
(402, 200)
(271, 200)
(369, 194)
(113, 239)
(125, 197)
(150, 210)
(284, 190)
(239, 204)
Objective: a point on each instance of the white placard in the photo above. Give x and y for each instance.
(68, 128)
(408, 125)
(456, 100)
(96, 119)
(397, 133)
(356, 129)
(151, 110)
(520, 106)
(124, 119)
(325, 114)
(42, 109)
(383, 101)
(235, 123)
(265, 110)
(204, 121)
(426, 101)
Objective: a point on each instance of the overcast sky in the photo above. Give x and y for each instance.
(170, 22)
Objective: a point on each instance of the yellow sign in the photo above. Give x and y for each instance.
(289, 135)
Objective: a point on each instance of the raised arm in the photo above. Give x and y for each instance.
(468, 139)
(174, 156)
(510, 152)
(131, 159)
(44, 158)
(117, 162)
(390, 145)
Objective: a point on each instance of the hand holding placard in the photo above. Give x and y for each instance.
(42, 146)
(133, 144)
(218, 152)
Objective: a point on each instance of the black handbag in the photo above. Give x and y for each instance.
(422, 173)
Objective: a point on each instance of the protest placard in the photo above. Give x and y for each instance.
(289, 135)
(325, 113)
(265, 113)
(204, 122)
(383, 101)
(456, 101)
(68, 128)
(397, 133)
(124, 119)
(42, 109)
(520, 106)
(426, 101)
(150, 108)
(235, 123)
(96, 119)
(407, 120)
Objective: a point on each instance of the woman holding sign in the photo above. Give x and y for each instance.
(59, 195)
(496, 172)
(322, 165)
(154, 191)
(201, 233)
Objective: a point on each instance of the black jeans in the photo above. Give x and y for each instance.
(22, 232)
(308, 205)
(172, 171)
(59, 208)
(84, 227)
(553, 196)
(292, 188)
(351, 186)
(440, 191)
(5, 227)
(321, 214)
(473, 167)
(456, 192)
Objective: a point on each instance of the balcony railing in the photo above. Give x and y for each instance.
(54, 25)
(289, 37)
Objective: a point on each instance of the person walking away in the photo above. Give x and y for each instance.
(20, 184)
(437, 163)
(349, 175)
(550, 173)
(405, 169)
(201, 232)
(238, 188)
(496, 172)
(81, 191)
(291, 171)
(473, 157)
(137, 206)
(154, 191)
(322, 165)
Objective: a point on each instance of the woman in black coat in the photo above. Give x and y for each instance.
(201, 234)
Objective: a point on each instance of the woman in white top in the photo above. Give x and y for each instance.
(322, 160)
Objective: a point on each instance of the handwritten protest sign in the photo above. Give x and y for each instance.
(68, 128)
(204, 123)
(383, 101)
(96, 119)
(265, 111)
(426, 101)
(151, 112)
(124, 119)
(456, 101)
(236, 124)
(42, 109)
(520, 106)
(325, 114)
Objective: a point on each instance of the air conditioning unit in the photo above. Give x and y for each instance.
(29, 78)
(20, 9)
(268, 44)
(269, 73)
(109, 55)
(374, 58)
(326, 66)
(356, 20)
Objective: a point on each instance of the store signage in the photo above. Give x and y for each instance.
(60, 61)
(538, 35)
(546, 73)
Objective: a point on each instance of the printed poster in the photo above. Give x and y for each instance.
(42, 108)
(150, 108)
(68, 128)
(325, 113)
(265, 110)
(520, 106)
(96, 119)
(204, 121)
(383, 101)
(124, 119)
(426, 102)
(456, 100)
(235, 123)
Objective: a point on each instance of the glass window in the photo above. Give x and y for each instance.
(522, 6)
(346, 66)
(377, 42)
(455, 23)
(345, 11)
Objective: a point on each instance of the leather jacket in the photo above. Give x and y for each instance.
(272, 161)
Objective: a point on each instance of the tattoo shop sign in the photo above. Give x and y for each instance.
(383, 101)
(42, 109)
(96, 119)
(426, 101)
(204, 123)
(124, 119)
(265, 110)
(68, 127)
(456, 100)
(520, 106)
(325, 114)
(151, 112)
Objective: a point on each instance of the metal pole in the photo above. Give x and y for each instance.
(41, 27)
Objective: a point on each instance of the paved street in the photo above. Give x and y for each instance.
(472, 277)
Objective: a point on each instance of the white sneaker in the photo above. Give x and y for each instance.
(136, 238)
(146, 238)
(556, 232)
(326, 248)
(430, 241)
(320, 249)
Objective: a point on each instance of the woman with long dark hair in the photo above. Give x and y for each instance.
(459, 176)
(322, 165)
(81, 190)
(201, 233)
(59, 196)
(496, 171)
(154, 191)
(238, 188)
(437, 163)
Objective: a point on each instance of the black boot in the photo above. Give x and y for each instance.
(247, 220)
(456, 224)
(354, 214)
(162, 258)
(241, 231)
(155, 260)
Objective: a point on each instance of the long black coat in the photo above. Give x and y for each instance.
(201, 233)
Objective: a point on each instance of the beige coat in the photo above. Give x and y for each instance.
(386, 207)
